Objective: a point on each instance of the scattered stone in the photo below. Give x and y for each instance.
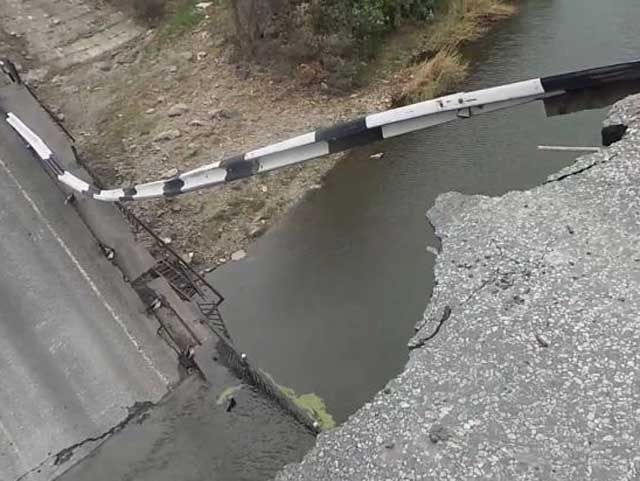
(219, 114)
(60, 116)
(167, 135)
(103, 66)
(542, 341)
(197, 123)
(176, 208)
(36, 75)
(438, 433)
(432, 250)
(257, 231)
(222, 260)
(166, 240)
(150, 111)
(203, 5)
(55, 21)
(230, 404)
(264, 189)
(243, 72)
(379, 155)
(192, 151)
(238, 255)
(201, 55)
(170, 173)
(173, 69)
(191, 256)
(178, 110)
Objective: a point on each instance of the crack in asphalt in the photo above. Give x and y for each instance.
(579, 171)
(137, 413)
(497, 274)
(445, 315)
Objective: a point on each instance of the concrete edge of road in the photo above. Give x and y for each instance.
(189, 321)
(114, 234)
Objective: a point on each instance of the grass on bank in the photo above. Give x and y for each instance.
(184, 18)
(436, 77)
(444, 68)
(310, 403)
(465, 21)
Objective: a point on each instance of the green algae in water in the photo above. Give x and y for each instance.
(311, 403)
(227, 393)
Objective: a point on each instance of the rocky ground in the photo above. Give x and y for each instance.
(154, 102)
(148, 103)
(526, 363)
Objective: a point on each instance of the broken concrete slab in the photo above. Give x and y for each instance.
(532, 375)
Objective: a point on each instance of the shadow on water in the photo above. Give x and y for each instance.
(327, 300)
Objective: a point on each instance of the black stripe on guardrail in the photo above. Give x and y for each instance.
(129, 193)
(173, 187)
(348, 134)
(238, 167)
(594, 77)
(592, 84)
(54, 165)
(342, 130)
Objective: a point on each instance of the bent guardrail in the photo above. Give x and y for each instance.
(565, 93)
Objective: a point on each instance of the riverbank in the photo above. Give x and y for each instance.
(523, 366)
(175, 99)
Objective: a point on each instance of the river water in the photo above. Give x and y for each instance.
(327, 300)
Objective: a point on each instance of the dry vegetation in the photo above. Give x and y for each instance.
(467, 20)
(233, 105)
(444, 68)
(433, 78)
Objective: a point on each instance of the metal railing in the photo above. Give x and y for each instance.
(189, 284)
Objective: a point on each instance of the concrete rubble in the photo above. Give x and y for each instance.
(526, 363)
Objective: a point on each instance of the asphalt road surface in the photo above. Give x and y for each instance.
(77, 350)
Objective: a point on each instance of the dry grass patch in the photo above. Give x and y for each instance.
(467, 20)
(439, 76)
(444, 68)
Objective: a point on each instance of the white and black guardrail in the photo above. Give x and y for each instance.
(561, 94)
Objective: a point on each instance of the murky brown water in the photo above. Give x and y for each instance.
(190, 437)
(327, 300)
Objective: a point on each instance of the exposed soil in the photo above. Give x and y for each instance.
(175, 98)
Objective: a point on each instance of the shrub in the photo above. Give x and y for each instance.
(339, 34)
(149, 10)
